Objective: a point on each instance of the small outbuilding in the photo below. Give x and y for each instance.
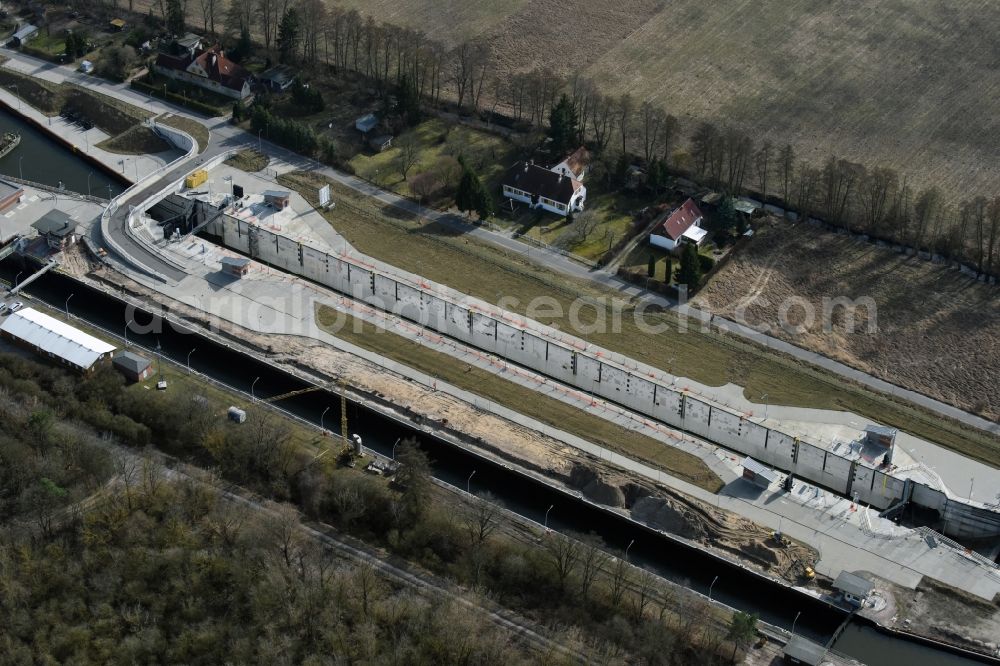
(853, 587)
(380, 143)
(236, 415)
(758, 474)
(366, 123)
(880, 435)
(279, 199)
(117, 25)
(798, 650)
(235, 266)
(135, 368)
(10, 195)
(278, 79)
(24, 34)
(58, 230)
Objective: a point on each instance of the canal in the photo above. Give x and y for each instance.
(41, 159)
(673, 560)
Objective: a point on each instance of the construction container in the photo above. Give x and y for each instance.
(195, 179)
(237, 415)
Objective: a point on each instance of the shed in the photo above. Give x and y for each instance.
(798, 650)
(381, 143)
(758, 473)
(24, 33)
(880, 435)
(50, 337)
(236, 415)
(278, 78)
(10, 194)
(277, 198)
(57, 228)
(366, 123)
(117, 25)
(745, 207)
(854, 588)
(237, 266)
(135, 368)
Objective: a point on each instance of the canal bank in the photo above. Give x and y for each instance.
(45, 157)
(670, 558)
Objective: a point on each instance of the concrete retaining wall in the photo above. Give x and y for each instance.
(592, 372)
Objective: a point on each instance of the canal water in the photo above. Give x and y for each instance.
(41, 159)
(668, 558)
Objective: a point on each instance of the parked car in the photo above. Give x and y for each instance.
(87, 67)
(3, 308)
(16, 305)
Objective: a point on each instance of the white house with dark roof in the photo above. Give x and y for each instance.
(543, 188)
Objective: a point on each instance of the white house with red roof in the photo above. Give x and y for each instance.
(207, 68)
(681, 225)
(575, 164)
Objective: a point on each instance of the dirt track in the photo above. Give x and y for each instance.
(937, 330)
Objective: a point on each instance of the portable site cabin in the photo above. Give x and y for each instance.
(854, 588)
(758, 474)
(135, 368)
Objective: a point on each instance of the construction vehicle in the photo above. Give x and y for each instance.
(781, 539)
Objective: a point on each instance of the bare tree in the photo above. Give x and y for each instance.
(738, 148)
(652, 118)
(875, 191)
(669, 134)
(593, 559)
(926, 215)
(619, 580)
(409, 153)
(645, 587)
(786, 164)
(623, 117)
(762, 167)
(839, 178)
(482, 519)
(564, 554)
(602, 120)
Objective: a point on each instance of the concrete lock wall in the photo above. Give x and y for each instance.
(597, 372)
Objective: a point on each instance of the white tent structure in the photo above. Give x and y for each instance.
(56, 339)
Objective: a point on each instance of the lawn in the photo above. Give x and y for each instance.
(487, 154)
(488, 272)
(521, 399)
(198, 131)
(248, 160)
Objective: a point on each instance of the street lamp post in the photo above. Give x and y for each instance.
(67, 305)
(260, 145)
(20, 167)
(321, 427)
(394, 447)
(627, 548)
(88, 182)
(18, 95)
(109, 192)
(710, 588)
(129, 324)
(794, 621)
(189, 358)
(17, 278)
(765, 398)
(546, 524)
(253, 396)
(468, 483)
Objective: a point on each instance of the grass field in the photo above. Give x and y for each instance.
(519, 398)
(487, 272)
(197, 131)
(139, 140)
(904, 83)
(248, 160)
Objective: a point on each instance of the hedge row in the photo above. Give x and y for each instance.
(187, 102)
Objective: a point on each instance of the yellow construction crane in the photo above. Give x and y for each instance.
(343, 408)
(291, 393)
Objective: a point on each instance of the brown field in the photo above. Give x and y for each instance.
(938, 331)
(909, 84)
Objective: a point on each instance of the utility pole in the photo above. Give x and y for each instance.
(343, 409)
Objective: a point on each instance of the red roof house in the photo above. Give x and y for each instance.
(683, 224)
(207, 68)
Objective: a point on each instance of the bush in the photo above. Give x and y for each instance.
(706, 263)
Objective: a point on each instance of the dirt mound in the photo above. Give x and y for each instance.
(594, 488)
(760, 552)
(663, 514)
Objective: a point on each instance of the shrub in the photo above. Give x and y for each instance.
(706, 263)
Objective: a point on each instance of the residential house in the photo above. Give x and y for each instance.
(58, 230)
(543, 188)
(278, 79)
(575, 164)
(209, 69)
(23, 34)
(135, 368)
(682, 225)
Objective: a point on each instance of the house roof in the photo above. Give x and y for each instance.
(577, 161)
(366, 123)
(744, 206)
(213, 61)
(25, 31)
(534, 179)
(885, 431)
(696, 234)
(56, 337)
(805, 651)
(760, 470)
(281, 75)
(188, 41)
(131, 362)
(681, 219)
(117, 23)
(55, 223)
(853, 584)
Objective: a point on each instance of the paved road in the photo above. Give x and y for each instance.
(225, 136)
